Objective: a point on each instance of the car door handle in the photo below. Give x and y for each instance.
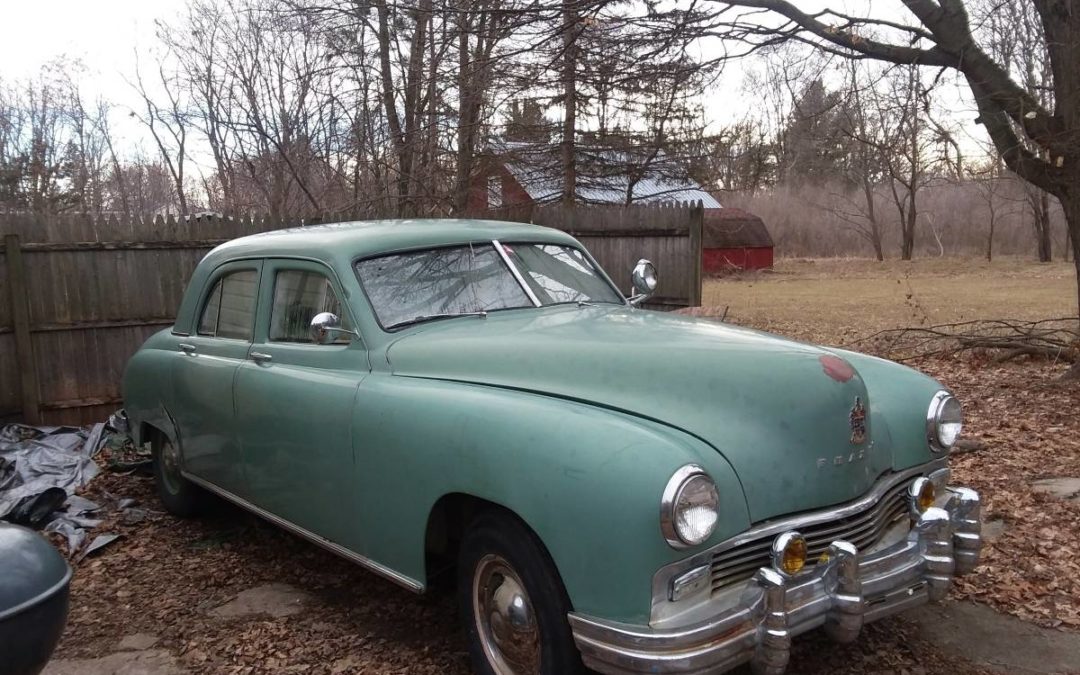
(261, 357)
(188, 349)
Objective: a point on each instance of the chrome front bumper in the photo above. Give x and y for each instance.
(842, 594)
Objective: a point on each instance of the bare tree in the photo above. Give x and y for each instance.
(1039, 143)
(1015, 38)
(867, 165)
(168, 125)
(994, 186)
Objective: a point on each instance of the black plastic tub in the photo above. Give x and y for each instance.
(34, 581)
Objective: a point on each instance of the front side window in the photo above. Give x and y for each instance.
(409, 287)
(229, 310)
(298, 296)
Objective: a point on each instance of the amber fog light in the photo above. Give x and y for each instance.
(922, 495)
(789, 553)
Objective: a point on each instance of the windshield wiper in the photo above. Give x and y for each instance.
(432, 317)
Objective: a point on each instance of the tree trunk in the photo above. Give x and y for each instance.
(871, 216)
(466, 129)
(1040, 211)
(402, 145)
(907, 248)
(1070, 204)
(569, 77)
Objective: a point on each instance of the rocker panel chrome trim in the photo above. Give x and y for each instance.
(383, 571)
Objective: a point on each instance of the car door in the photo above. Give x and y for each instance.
(294, 401)
(204, 371)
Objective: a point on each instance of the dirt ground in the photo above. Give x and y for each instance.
(164, 584)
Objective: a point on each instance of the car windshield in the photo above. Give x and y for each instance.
(407, 288)
(558, 274)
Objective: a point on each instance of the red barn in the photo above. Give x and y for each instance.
(735, 239)
(517, 174)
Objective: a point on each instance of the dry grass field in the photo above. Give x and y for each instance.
(838, 299)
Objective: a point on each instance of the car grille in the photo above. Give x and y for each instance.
(863, 529)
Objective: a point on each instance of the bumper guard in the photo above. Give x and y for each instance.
(840, 595)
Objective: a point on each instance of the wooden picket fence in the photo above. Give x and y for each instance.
(83, 294)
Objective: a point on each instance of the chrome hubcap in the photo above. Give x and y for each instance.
(170, 469)
(504, 619)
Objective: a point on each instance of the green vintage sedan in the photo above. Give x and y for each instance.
(616, 488)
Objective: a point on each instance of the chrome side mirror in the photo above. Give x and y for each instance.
(325, 327)
(645, 281)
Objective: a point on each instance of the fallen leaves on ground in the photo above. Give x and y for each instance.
(1030, 424)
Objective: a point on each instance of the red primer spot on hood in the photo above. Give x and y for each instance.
(837, 368)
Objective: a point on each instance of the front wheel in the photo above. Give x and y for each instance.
(180, 496)
(513, 602)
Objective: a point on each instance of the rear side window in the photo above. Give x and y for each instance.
(229, 311)
(298, 296)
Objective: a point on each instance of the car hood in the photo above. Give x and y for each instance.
(779, 411)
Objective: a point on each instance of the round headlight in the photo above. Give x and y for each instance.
(689, 508)
(944, 420)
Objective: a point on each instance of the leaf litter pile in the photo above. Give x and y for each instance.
(164, 576)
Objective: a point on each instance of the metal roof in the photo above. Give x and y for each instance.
(604, 176)
(734, 228)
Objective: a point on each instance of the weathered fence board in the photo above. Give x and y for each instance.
(93, 292)
(20, 319)
(90, 292)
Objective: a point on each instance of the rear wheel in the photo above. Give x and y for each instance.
(180, 496)
(513, 602)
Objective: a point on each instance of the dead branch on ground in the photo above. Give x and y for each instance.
(1002, 339)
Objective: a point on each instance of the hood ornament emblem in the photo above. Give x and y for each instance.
(857, 419)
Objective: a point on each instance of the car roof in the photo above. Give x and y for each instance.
(344, 242)
(339, 244)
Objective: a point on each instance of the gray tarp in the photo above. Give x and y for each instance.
(36, 459)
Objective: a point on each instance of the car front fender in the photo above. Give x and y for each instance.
(587, 480)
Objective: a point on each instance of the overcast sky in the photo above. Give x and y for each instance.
(101, 32)
(105, 33)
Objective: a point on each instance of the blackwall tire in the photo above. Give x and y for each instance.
(180, 496)
(513, 603)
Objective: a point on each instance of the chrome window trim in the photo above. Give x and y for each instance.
(663, 576)
(936, 404)
(667, 504)
(592, 264)
(383, 571)
(517, 273)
